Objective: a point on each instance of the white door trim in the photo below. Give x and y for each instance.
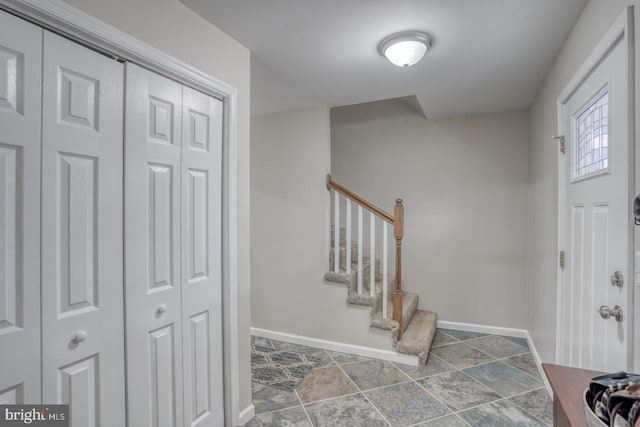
(65, 19)
(620, 32)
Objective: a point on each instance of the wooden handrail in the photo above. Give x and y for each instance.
(332, 185)
(398, 233)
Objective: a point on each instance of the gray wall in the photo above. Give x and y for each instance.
(463, 181)
(289, 160)
(173, 28)
(542, 236)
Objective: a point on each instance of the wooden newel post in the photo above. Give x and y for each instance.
(398, 233)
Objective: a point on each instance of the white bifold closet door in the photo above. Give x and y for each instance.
(173, 161)
(20, 77)
(82, 301)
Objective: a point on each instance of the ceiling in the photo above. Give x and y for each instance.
(486, 56)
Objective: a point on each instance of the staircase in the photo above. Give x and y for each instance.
(412, 330)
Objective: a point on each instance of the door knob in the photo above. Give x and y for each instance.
(161, 308)
(80, 336)
(606, 312)
(617, 279)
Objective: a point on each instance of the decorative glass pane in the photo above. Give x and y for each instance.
(592, 138)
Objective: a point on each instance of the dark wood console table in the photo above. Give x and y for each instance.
(568, 385)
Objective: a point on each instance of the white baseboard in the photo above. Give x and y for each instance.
(536, 357)
(498, 330)
(404, 358)
(391, 356)
(246, 415)
(482, 329)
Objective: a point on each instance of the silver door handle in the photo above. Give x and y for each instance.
(161, 308)
(80, 336)
(606, 312)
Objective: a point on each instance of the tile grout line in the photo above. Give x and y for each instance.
(302, 405)
(507, 399)
(451, 411)
(463, 420)
(359, 391)
(503, 399)
(473, 348)
(351, 363)
(472, 340)
(473, 379)
(494, 359)
(303, 408)
(277, 410)
(455, 341)
(526, 373)
(365, 396)
(330, 398)
(440, 359)
(505, 362)
(481, 405)
(270, 343)
(334, 397)
(453, 414)
(524, 409)
(385, 386)
(482, 384)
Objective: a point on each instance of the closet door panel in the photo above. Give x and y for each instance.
(20, 123)
(82, 280)
(201, 259)
(152, 249)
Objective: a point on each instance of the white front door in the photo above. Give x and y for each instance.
(20, 77)
(596, 172)
(82, 278)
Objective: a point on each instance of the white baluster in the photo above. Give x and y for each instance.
(348, 231)
(385, 261)
(336, 234)
(327, 231)
(360, 250)
(372, 254)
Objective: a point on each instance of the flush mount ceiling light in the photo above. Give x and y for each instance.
(406, 48)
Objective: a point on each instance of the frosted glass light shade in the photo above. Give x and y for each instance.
(405, 53)
(405, 49)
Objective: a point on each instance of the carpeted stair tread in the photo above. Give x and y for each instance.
(341, 277)
(364, 299)
(409, 307)
(418, 336)
(353, 297)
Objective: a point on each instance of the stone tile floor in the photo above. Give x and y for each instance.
(470, 380)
